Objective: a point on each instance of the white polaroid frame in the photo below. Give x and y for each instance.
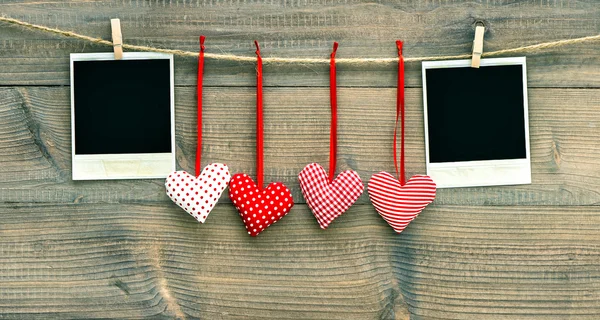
(122, 166)
(485, 172)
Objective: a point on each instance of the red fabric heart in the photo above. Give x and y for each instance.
(198, 196)
(259, 208)
(397, 204)
(326, 200)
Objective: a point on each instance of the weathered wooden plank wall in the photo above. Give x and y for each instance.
(120, 249)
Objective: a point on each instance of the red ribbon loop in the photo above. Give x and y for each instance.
(333, 102)
(257, 49)
(202, 47)
(259, 117)
(400, 114)
(199, 81)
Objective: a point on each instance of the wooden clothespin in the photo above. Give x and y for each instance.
(477, 46)
(117, 38)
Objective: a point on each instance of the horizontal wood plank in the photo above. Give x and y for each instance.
(288, 28)
(35, 143)
(153, 260)
(157, 261)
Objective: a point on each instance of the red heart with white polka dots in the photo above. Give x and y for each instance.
(198, 196)
(259, 208)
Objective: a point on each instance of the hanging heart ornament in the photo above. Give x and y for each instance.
(400, 204)
(198, 195)
(397, 202)
(259, 208)
(328, 200)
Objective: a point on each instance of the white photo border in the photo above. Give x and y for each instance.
(122, 166)
(485, 172)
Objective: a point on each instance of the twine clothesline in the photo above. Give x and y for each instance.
(351, 61)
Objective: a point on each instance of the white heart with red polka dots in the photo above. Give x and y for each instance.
(198, 196)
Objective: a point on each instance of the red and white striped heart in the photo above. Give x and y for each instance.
(198, 196)
(397, 204)
(326, 200)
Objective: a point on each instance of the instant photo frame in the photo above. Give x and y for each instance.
(476, 122)
(122, 116)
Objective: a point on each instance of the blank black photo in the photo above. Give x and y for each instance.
(122, 106)
(476, 114)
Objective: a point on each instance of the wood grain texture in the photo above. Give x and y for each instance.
(35, 143)
(290, 28)
(121, 249)
(451, 263)
(78, 259)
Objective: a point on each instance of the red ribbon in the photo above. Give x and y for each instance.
(199, 104)
(259, 117)
(333, 102)
(400, 113)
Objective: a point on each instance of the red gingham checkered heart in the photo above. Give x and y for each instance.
(397, 204)
(329, 200)
(259, 208)
(198, 196)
